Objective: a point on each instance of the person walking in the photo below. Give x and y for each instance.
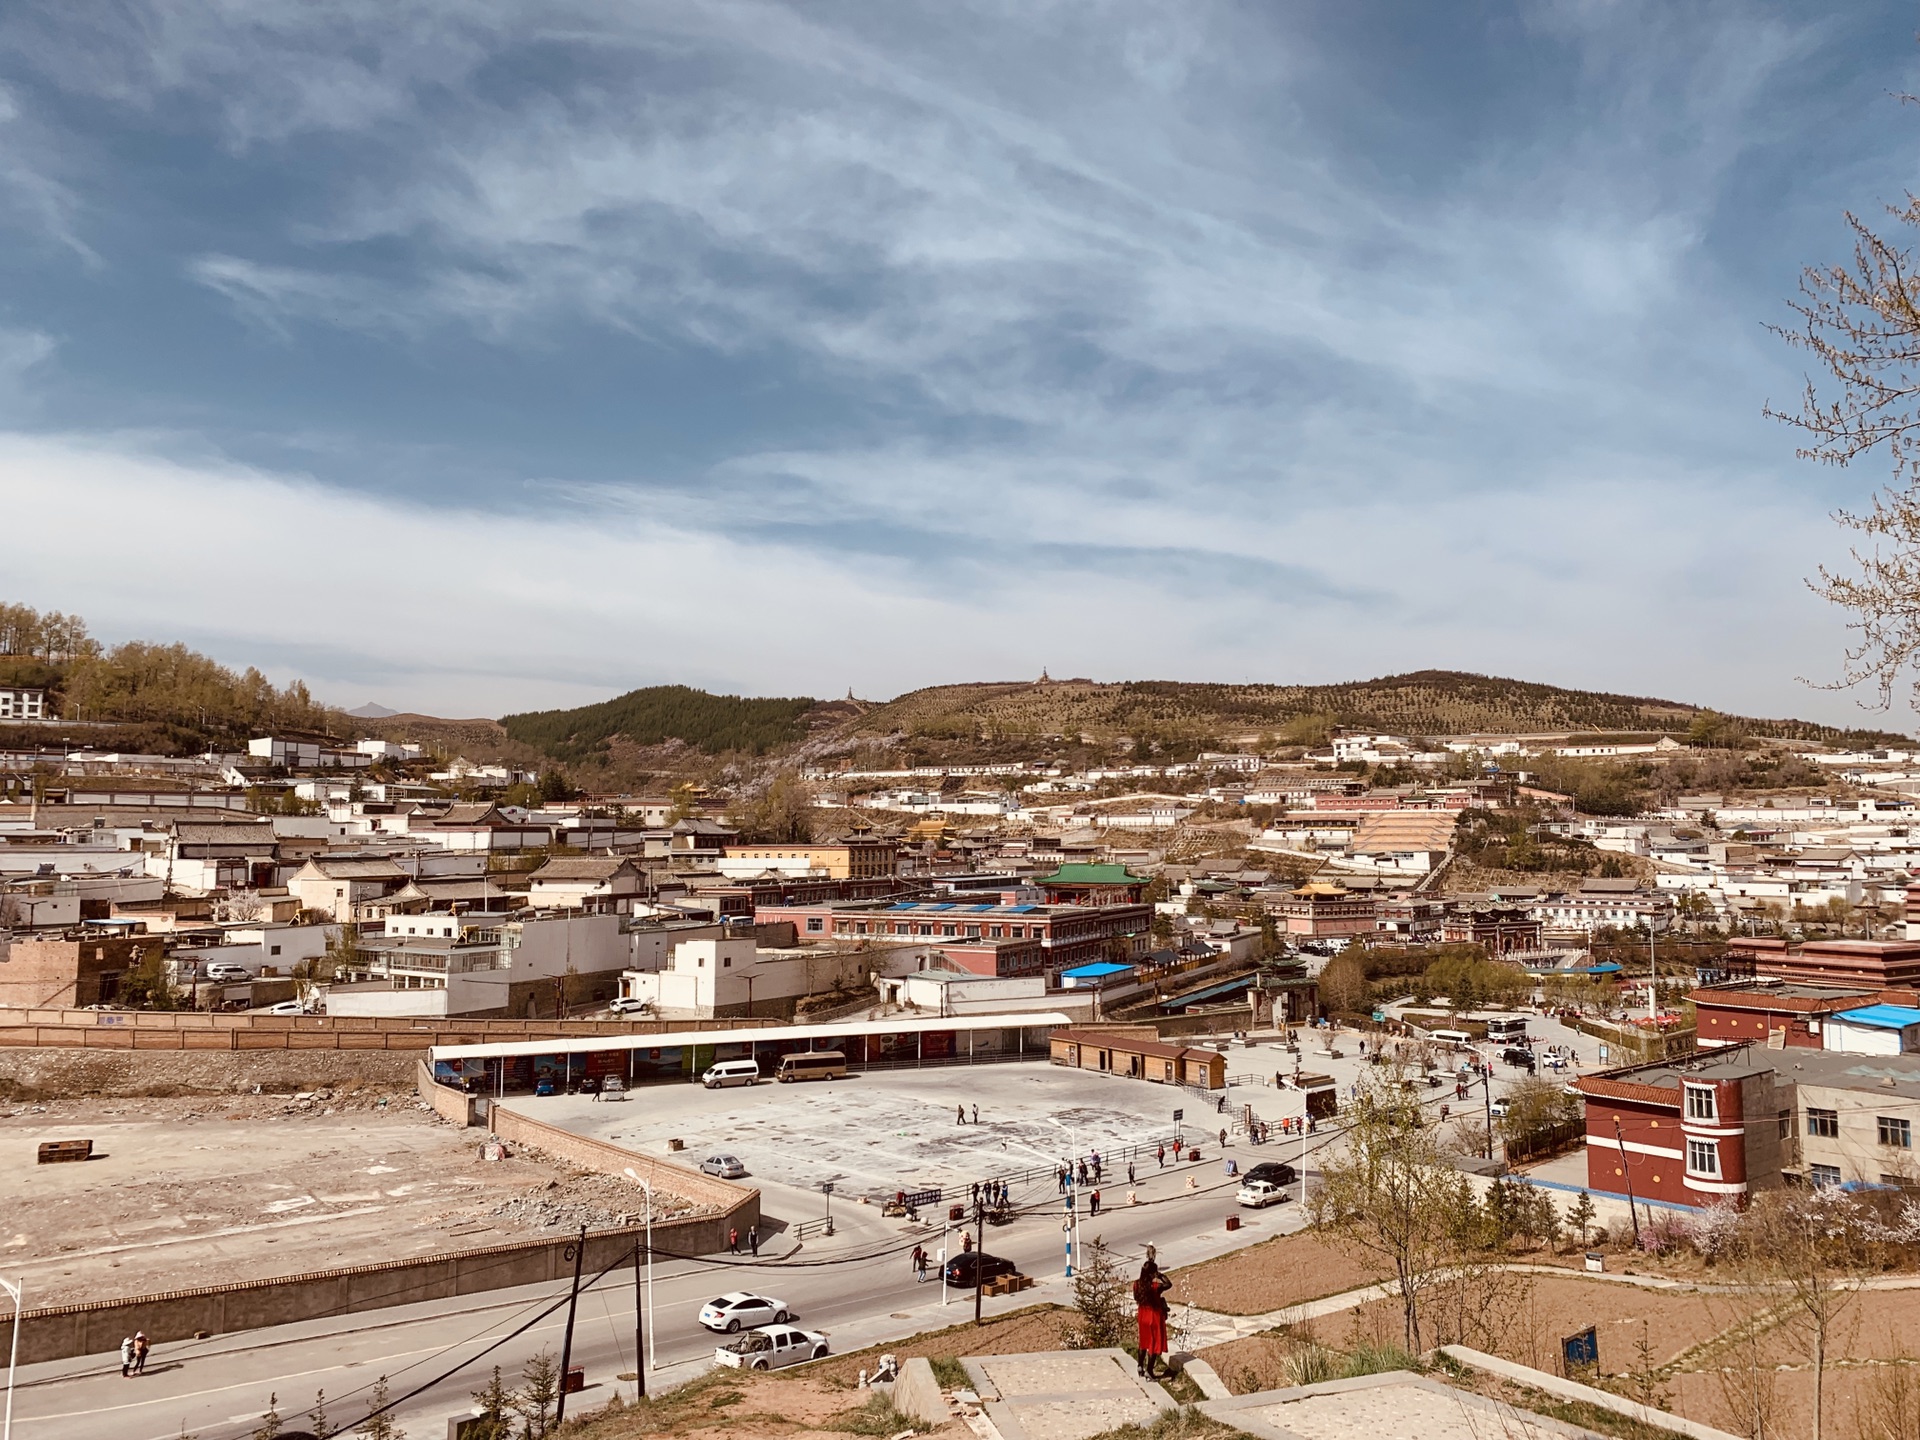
(1093, 1204)
(140, 1348)
(960, 1114)
(919, 1263)
(126, 1357)
(976, 1114)
(753, 1240)
(1161, 1156)
(1150, 1313)
(1129, 1172)
(733, 1239)
(1223, 1139)
(1096, 1167)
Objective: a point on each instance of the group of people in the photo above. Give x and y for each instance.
(994, 1193)
(1081, 1172)
(753, 1239)
(133, 1354)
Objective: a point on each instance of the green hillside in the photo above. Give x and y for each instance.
(712, 723)
(1426, 702)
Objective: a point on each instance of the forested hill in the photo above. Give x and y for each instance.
(1424, 703)
(180, 699)
(660, 713)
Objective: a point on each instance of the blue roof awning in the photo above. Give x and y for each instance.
(1882, 1017)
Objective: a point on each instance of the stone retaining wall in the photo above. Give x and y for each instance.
(741, 1203)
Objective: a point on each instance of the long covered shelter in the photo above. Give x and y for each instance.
(893, 1042)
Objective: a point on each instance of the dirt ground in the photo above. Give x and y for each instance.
(731, 1405)
(1024, 1331)
(1272, 1275)
(195, 1191)
(824, 1401)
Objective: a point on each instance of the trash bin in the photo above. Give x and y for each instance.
(1233, 1222)
(956, 1212)
(576, 1378)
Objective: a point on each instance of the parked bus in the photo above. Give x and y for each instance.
(812, 1065)
(1510, 1029)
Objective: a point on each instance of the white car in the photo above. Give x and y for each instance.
(627, 1006)
(771, 1347)
(737, 1310)
(727, 1167)
(285, 1007)
(1500, 1108)
(1258, 1194)
(227, 970)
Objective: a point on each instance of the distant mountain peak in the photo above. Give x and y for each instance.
(371, 711)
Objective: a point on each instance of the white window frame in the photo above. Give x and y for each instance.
(1708, 1149)
(1702, 1103)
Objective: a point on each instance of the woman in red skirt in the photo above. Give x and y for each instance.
(1150, 1312)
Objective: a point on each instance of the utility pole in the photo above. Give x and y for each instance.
(979, 1252)
(13, 1359)
(1486, 1093)
(579, 1249)
(639, 1325)
(1626, 1170)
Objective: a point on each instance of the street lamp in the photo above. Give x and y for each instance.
(826, 1189)
(13, 1357)
(652, 1360)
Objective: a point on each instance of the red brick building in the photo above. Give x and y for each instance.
(1873, 963)
(1751, 1010)
(1092, 885)
(1501, 929)
(68, 972)
(984, 937)
(1324, 908)
(1687, 1132)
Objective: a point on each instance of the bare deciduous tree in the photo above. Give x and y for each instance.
(1860, 321)
(1389, 1195)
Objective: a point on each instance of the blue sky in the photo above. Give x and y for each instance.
(474, 357)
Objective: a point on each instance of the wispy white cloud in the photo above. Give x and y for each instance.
(467, 612)
(1197, 315)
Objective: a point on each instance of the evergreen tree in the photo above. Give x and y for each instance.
(379, 1424)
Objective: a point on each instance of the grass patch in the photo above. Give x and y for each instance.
(1372, 1359)
(950, 1373)
(1185, 1423)
(1182, 1387)
(876, 1417)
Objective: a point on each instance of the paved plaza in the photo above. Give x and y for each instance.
(877, 1132)
(1066, 1394)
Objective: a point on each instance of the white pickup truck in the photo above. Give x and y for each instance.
(770, 1347)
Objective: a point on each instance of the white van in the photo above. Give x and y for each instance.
(731, 1072)
(1453, 1037)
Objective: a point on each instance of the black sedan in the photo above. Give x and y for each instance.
(976, 1267)
(1273, 1172)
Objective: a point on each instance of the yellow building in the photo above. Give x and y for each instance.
(854, 858)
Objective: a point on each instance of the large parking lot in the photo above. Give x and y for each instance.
(876, 1132)
(882, 1131)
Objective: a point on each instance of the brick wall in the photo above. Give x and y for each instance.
(56, 1028)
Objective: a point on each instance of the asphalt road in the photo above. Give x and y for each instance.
(856, 1285)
